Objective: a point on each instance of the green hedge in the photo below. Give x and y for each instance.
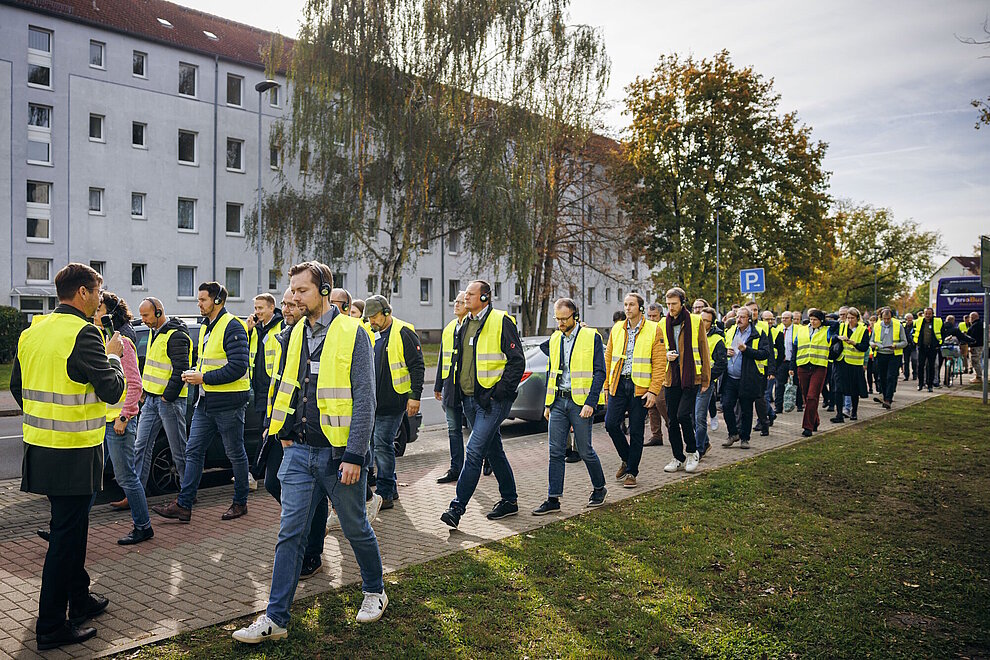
(12, 322)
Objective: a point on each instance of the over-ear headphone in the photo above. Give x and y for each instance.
(486, 291)
(221, 296)
(324, 285)
(154, 303)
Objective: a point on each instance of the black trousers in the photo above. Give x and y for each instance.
(64, 579)
(926, 366)
(680, 408)
(910, 358)
(782, 376)
(889, 370)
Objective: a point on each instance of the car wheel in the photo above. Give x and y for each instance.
(164, 478)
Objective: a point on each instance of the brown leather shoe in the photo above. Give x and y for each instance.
(120, 505)
(173, 510)
(630, 481)
(235, 511)
(622, 472)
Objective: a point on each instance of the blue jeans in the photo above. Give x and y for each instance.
(485, 442)
(318, 528)
(123, 457)
(229, 424)
(157, 413)
(770, 396)
(455, 434)
(701, 418)
(564, 416)
(624, 400)
(308, 475)
(383, 443)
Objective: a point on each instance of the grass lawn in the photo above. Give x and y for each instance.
(870, 542)
(5, 370)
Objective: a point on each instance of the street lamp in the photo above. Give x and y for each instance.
(718, 270)
(261, 88)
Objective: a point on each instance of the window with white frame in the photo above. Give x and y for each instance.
(273, 157)
(608, 294)
(453, 288)
(273, 97)
(39, 40)
(39, 57)
(137, 275)
(96, 128)
(96, 54)
(139, 135)
(234, 224)
(235, 155)
(372, 283)
(39, 148)
(99, 266)
(39, 270)
(233, 279)
(186, 287)
(96, 201)
(425, 290)
(137, 206)
(591, 296)
(187, 147)
(187, 79)
(139, 64)
(273, 280)
(497, 291)
(235, 85)
(340, 280)
(454, 242)
(38, 229)
(397, 287)
(187, 214)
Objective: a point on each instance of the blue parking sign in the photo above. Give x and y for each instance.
(751, 280)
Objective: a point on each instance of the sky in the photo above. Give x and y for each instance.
(887, 84)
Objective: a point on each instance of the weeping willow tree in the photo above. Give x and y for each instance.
(405, 116)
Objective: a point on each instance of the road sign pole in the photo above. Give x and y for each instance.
(985, 282)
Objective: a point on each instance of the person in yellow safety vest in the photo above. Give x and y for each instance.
(704, 406)
(443, 391)
(168, 354)
(764, 414)
(747, 353)
(849, 377)
(221, 374)
(769, 413)
(399, 375)
(122, 419)
(636, 364)
(689, 372)
(963, 347)
(323, 415)
(575, 388)
(928, 339)
(490, 363)
(262, 327)
(811, 366)
(63, 377)
(888, 340)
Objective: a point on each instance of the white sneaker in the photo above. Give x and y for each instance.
(333, 522)
(374, 505)
(372, 608)
(713, 423)
(691, 464)
(261, 630)
(673, 466)
(252, 482)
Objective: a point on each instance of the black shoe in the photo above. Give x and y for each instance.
(67, 634)
(837, 420)
(853, 417)
(598, 497)
(830, 409)
(387, 503)
(878, 399)
(486, 468)
(572, 457)
(800, 408)
(448, 478)
(806, 433)
(43, 534)
(137, 536)
(551, 505)
(765, 431)
(310, 566)
(503, 509)
(94, 605)
(772, 420)
(929, 388)
(451, 517)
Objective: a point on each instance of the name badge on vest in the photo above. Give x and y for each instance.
(378, 335)
(470, 341)
(314, 367)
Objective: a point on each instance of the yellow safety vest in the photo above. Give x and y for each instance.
(447, 350)
(212, 356)
(897, 334)
(396, 353)
(762, 327)
(937, 327)
(157, 365)
(730, 334)
(271, 352)
(714, 340)
(811, 350)
(114, 410)
(642, 366)
(59, 413)
(582, 366)
(371, 333)
(695, 339)
(849, 353)
(489, 360)
(276, 377)
(333, 384)
(963, 326)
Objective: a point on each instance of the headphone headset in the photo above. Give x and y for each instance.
(154, 303)
(642, 302)
(485, 295)
(324, 285)
(116, 305)
(221, 295)
(386, 307)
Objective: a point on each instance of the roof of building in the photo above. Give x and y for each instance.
(166, 23)
(972, 264)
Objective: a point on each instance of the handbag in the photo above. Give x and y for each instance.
(790, 397)
(835, 349)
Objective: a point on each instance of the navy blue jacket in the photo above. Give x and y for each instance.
(598, 377)
(235, 344)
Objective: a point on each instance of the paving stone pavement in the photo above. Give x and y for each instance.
(209, 571)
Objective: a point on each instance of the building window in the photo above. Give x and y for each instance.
(96, 201)
(273, 97)
(187, 214)
(517, 292)
(397, 287)
(234, 282)
(591, 296)
(453, 288)
(608, 294)
(273, 280)
(340, 280)
(39, 193)
(139, 62)
(137, 206)
(96, 49)
(39, 270)
(99, 266)
(138, 131)
(234, 85)
(234, 219)
(304, 160)
(372, 283)
(425, 290)
(39, 57)
(187, 147)
(235, 149)
(39, 116)
(39, 40)
(39, 148)
(454, 242)
(38, 230)
(186, 285)
(273, 157)
(619, 297)
(96, 128)
(39, 75)
(187, 79)
(137, 275)
(497, 291)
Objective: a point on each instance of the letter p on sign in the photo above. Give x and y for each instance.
(751, 280)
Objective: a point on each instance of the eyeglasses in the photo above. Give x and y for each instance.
(567, 318)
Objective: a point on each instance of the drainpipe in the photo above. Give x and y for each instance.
(216, 96)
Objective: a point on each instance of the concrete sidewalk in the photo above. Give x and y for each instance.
(209, 571)
(8, 406)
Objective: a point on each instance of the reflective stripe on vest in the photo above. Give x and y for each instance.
(489, 360)
(877, 330)
(333, 385)
(812, 350)
(730, 334)
(849, 353)
(158, 366)
(695, 340)
(642, 366)
(59, 413)
(396, 353)
(212, 356)
(582, 367)
(447, 349)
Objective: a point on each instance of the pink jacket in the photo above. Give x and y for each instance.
(129, 362)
